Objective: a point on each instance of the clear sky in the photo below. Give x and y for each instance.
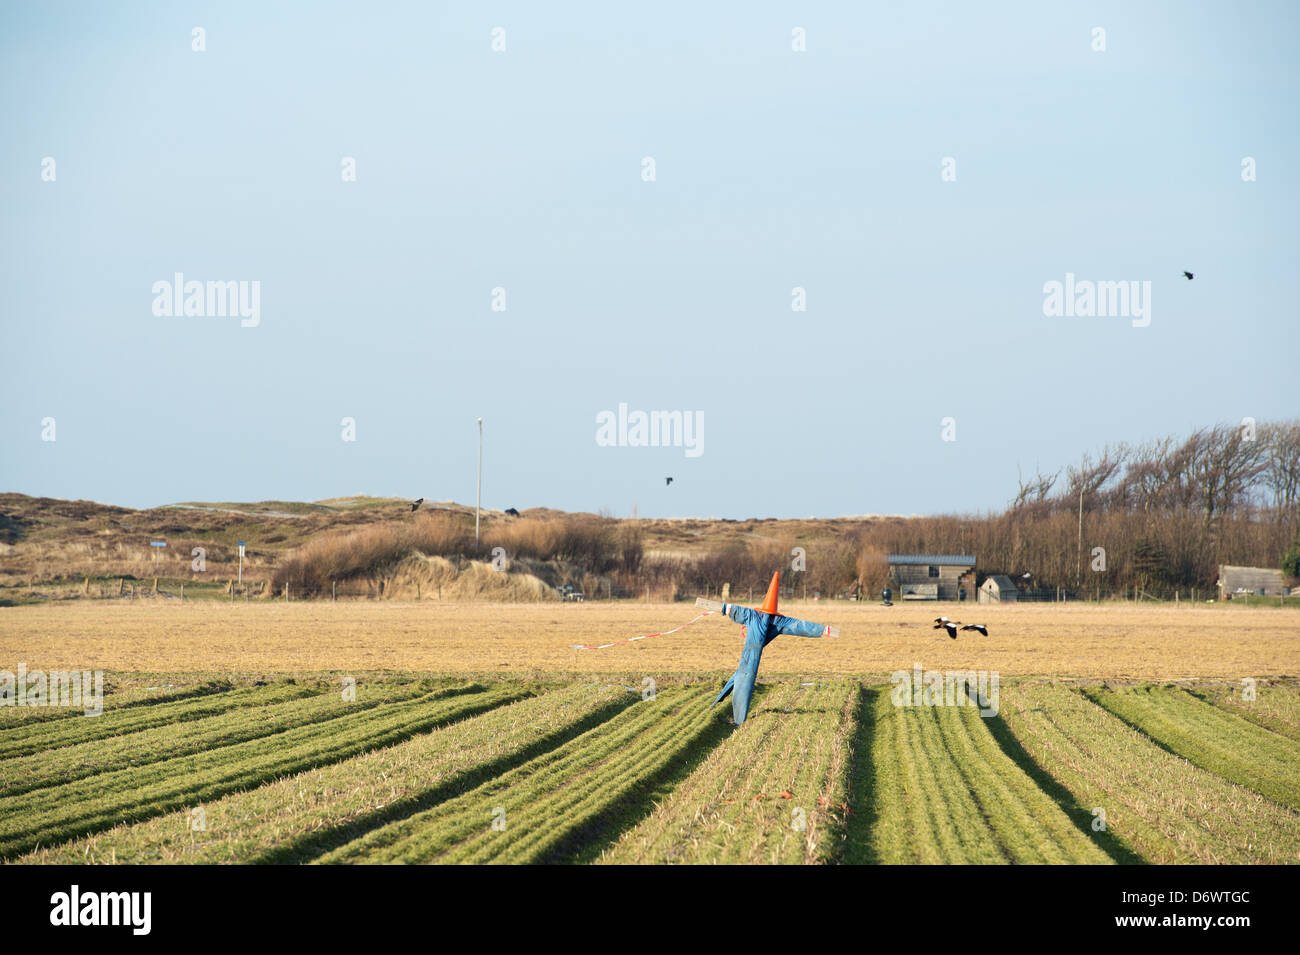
(523, 169)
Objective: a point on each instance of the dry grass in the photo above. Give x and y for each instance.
(1109, 642)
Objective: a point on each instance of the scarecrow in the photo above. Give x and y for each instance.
(761, 627)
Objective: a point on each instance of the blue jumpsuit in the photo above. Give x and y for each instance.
(760, 630)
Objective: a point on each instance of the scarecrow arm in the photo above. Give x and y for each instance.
(805, 628)
(742, 615)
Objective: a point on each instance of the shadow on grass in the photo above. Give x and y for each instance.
(585, 844)
(854, 836)
(318, 843)
(1107, 841)
(96, 819)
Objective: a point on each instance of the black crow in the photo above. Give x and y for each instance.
(1189, 276)
(667, 481)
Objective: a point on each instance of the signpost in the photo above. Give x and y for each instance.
(241, 563)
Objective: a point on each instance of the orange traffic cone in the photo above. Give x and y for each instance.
(774, 588)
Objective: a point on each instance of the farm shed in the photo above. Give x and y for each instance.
(932, 576)
(1249, 580)
(998, 588)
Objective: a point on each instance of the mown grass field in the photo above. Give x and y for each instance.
(510, 771)
(258, 755)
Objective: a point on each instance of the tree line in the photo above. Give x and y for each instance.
(1158, 516)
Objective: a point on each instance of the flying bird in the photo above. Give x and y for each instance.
(667, 481)
(1189, 276)
(415, 505)
(950, 627)
(977, 627)
(940, 620)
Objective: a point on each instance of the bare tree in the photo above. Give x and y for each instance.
(1090, 478)
(1281, 473)
(1225, 467)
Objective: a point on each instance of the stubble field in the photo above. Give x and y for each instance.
(1123, 642)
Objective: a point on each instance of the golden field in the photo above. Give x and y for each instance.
(1126, 642)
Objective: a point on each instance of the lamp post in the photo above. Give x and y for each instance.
(478, 490)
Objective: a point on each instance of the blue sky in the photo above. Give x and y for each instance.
(522, 169)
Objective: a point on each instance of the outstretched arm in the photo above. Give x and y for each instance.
(804, 628)
(742, 615)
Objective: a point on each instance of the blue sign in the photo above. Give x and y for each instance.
(157, 543)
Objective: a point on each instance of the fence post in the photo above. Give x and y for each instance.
(334, 590)
(182, 593)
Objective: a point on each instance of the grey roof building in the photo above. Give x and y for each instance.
(1235, 581)
(998, 588)
(932, 576)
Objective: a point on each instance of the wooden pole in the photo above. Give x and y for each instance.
(334, 590)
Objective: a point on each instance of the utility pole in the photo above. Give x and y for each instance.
(478, 491)
(1079, 549)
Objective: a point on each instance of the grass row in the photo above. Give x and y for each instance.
(1210, 737)
(297, 818)
(58, 813)
(945, 791)
(14, 716)
(767, 794)
(70, 763)
(1276, 708)
(562, 805)
(46, 735)
(1161, 807)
